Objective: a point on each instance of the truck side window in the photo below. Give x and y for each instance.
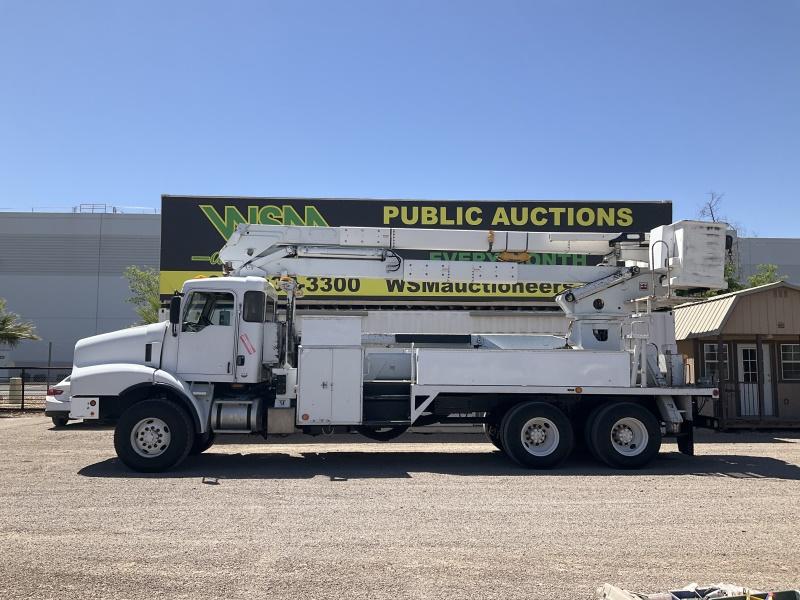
(254, 305)
(207, 308)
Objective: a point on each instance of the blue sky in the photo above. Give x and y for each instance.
(118, 102)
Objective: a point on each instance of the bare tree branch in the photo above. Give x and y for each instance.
(711, 209)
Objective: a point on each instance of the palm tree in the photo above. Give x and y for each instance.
(12, 330)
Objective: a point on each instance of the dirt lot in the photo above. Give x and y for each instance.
(426, 517)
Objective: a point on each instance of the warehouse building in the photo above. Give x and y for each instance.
(63, 272)
(782, 252)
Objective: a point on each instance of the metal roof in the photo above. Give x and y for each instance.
(708, 317)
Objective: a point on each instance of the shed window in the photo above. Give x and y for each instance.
(711, 362)
(790, 362)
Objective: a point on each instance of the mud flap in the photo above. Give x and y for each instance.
(686, 438)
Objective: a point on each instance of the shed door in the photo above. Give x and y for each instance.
(748, 381)
(769, 409)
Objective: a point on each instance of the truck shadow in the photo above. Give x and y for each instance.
(343, 466)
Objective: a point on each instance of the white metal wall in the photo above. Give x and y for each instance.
(783, 252)
(63, 272)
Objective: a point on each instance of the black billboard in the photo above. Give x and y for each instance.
(194, 228)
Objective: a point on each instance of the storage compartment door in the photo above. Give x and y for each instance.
(347, 386)
(314, 393)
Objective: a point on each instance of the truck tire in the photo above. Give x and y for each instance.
(202, 442)
(625, 435)
(537, 435)
(60, 421)
(492, 431)
(587, 429)
(153, 435)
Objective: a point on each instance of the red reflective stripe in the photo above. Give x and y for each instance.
(248, 345)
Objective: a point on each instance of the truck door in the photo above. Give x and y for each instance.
(208, 331)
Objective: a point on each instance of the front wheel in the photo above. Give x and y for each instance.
(202, 442)
(625, 435)
(153, 435)
(537, 435)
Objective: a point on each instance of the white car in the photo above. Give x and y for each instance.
(56, 405)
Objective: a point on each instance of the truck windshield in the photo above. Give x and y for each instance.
(207, 308)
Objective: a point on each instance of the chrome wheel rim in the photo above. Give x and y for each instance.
(629, 436)
(540, 436)
(150, 437)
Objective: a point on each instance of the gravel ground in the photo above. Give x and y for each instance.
(425, 517)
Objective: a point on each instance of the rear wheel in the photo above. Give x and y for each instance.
(537, 435)
(625, 435)
(60, 421)
(587, 429)
(153, 435)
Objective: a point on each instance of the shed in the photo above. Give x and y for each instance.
(747, 343)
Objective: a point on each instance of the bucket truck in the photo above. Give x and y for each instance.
(225, 363)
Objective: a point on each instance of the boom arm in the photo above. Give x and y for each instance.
(370, 252)
(683, 255)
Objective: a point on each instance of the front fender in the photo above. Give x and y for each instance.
(89, 384)
(116, 382)
(108, 380)
(201, 406)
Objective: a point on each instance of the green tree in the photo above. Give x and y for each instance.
(732, 278)
(764, 274)
(144, 293)
(12, 329)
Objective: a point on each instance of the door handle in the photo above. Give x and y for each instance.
(229, 366)
(324, 385)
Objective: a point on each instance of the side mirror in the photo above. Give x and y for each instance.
(175, 310)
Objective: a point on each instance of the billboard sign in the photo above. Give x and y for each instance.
(194, 228)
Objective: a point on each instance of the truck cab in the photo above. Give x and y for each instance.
(223, 325)
(212, 359)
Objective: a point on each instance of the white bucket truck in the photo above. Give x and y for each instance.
(225, 363)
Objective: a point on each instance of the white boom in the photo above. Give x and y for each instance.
(370, 252)
(689, 253)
